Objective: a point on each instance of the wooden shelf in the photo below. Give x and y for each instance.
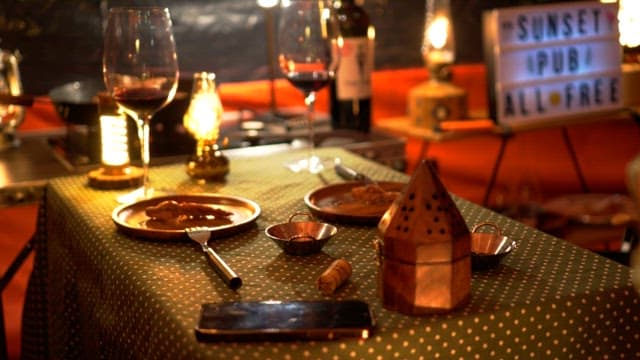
(457, 129)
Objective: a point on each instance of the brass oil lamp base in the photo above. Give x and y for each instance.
(437, 99)
(208, 163)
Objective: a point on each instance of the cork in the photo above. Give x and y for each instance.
(334, 276)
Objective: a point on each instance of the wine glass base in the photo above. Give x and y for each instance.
(312, 164)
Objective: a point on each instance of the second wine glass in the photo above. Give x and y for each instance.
(140, 70)
(308, 57)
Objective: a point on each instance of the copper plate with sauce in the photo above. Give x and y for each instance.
(336, 203)
(132, 220)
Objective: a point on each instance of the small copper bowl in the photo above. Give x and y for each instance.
(489, 248)
(301, 237)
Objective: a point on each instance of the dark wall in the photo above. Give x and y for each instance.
(61, 40)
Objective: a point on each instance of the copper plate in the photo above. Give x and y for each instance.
(590, 209)
(335, 203)
(131, 218)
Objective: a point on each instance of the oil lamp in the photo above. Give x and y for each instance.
(437, 99)
(202, 119)
(115, 171)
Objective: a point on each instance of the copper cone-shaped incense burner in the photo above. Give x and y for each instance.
(425, 256)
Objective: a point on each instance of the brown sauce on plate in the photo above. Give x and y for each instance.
(184, 222)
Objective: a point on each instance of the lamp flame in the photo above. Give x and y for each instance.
(629, 23)
(437, 32)
(204, 115)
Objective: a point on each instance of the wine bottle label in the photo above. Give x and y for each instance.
(353, 78)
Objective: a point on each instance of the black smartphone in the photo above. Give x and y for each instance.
(284, 320)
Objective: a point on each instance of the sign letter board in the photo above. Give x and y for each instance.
(552, 61)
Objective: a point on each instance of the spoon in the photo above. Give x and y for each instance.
(351, 174)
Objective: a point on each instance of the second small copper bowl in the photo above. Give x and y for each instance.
(489, 248)
(301, 237)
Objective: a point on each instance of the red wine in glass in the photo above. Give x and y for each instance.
(309, 81)
(142, 100)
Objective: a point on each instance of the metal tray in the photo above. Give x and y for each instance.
(131, 218)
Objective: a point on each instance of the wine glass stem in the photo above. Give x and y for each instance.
(310, 100)
(143, 133)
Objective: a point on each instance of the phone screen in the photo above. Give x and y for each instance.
(282, 320)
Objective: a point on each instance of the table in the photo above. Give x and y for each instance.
(99, 293)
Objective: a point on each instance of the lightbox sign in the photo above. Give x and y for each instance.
(552, 61)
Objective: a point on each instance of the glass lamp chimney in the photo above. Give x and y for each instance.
(438, 43)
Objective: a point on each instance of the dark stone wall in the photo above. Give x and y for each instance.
(61, 40)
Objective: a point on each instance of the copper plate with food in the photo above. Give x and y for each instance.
(167, 217)
(353, 202)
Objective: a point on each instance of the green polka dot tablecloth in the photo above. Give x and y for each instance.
(97, 293)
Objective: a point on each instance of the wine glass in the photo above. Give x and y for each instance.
(308, 57)
(140, 70)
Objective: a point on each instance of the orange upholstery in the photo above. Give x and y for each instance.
(41, 116)
(17, 224)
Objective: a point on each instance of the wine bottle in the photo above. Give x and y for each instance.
(350, 91)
